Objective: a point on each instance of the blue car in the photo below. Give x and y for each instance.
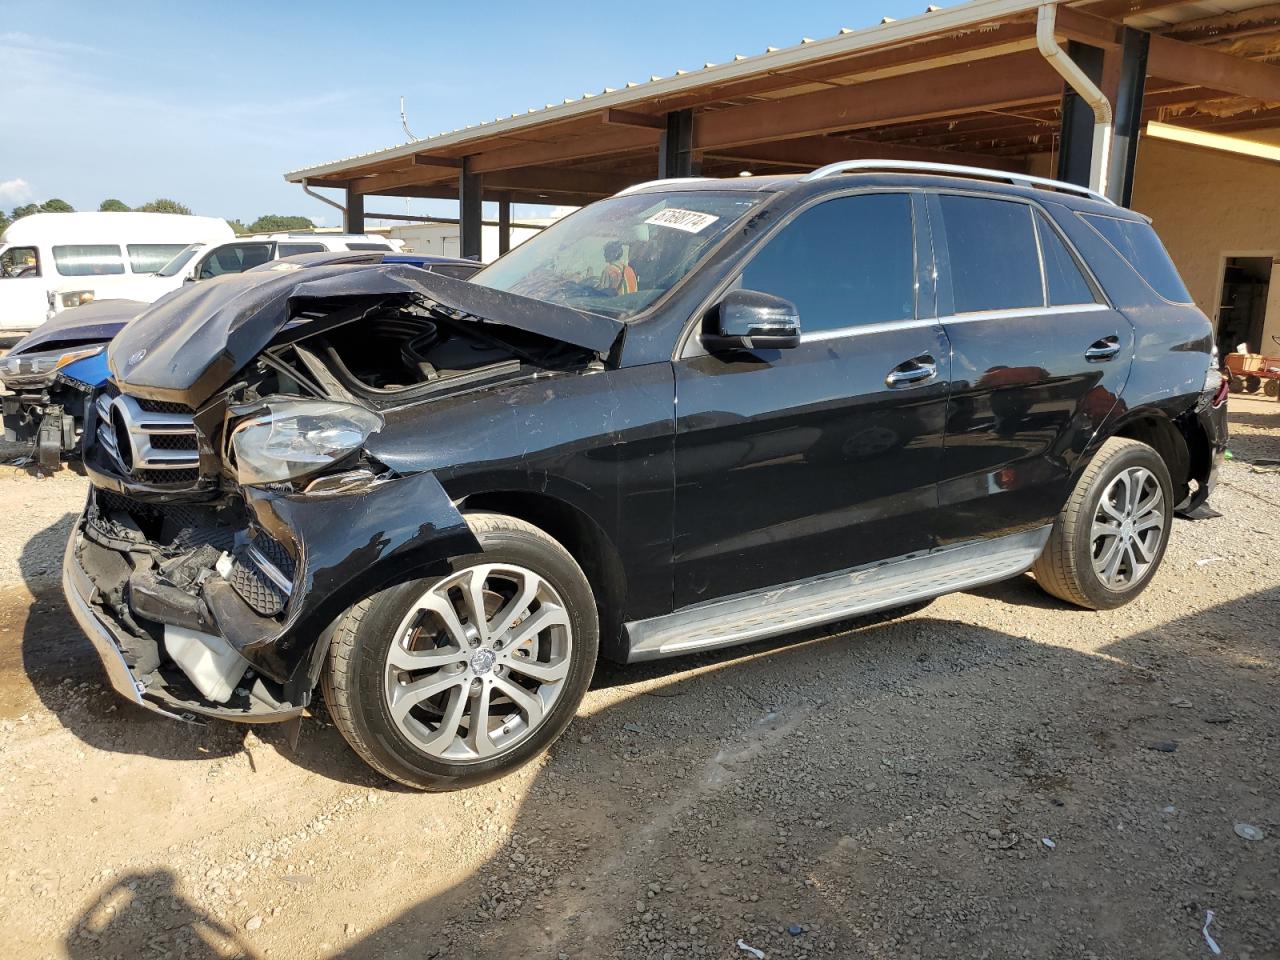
(49, 375)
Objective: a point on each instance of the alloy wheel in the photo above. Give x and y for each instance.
(1127, 528)
(478, 662)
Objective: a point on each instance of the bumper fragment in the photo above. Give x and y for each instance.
(80, 591)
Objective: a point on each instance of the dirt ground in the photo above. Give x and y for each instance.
(997, 775)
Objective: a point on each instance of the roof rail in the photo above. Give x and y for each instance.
(954, 170)
(657, 183)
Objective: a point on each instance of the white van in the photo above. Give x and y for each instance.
(77, 257)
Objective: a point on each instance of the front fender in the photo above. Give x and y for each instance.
(348, 546)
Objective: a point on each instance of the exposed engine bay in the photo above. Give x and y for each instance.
(393, 351)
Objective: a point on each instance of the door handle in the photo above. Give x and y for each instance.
(915, 370)
(1103, 349)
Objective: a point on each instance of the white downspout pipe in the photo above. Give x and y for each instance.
(1086, 88)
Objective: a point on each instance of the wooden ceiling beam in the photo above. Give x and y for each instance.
(596, 143)
(1016, 80)
(1190, 63)
(558, 180)
(818, 151)
(630, 118)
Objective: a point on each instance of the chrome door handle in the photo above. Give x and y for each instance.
(1103, 349)
(916, 370)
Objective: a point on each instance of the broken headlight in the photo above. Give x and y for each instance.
(296, 438)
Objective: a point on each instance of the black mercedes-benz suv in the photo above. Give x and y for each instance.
(696, 414)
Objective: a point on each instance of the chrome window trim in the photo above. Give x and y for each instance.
(1020, 312)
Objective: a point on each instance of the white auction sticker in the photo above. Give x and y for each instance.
(690, 221)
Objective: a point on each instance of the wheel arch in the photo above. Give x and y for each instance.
(586, 542)
(1154, 428)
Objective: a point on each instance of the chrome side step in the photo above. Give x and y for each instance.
(809, 603)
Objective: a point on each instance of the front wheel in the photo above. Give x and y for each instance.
(1109, 539)
(452, 681)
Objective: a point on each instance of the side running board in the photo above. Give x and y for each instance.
(838, 596)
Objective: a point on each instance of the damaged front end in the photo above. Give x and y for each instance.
(230, 526)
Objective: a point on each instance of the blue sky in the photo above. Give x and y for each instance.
(210, 103)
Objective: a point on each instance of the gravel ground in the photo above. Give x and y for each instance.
(996, 775)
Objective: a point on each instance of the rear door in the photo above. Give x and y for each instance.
(799, 462)
(1038, 361)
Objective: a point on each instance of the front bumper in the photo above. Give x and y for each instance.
(347, 546)
(81, 594)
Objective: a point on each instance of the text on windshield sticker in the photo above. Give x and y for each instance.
(690, 221)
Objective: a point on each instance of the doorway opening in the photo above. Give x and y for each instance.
(1242, 306)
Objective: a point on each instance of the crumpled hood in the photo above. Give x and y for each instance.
(95, 322)
(191, 342)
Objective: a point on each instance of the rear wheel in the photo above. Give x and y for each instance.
(1109, 539)
(1252, 383)
(1271, 388)
(452, 681)
(1236, 383)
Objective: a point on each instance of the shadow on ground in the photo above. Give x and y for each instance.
(885, 789)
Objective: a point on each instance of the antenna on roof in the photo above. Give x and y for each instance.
(404, 122)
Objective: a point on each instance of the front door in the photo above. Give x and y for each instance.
(799, 462)
(1038, 362)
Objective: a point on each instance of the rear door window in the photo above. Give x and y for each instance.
(234, 258)
(88, 260)
(1064, 281)
(995, 264)
(293, 249)
(150, 257)
(843, 263)
(1138, 244)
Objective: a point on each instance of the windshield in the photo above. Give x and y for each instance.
(174, 266)
(618, 256)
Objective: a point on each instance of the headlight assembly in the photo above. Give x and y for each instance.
(30, 366)
(76, 298)
(296, 438)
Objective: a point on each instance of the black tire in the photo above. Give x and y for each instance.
(1236, 383)
(1271, 388)
(1065, 567)
(1252, 383)
(354, 683)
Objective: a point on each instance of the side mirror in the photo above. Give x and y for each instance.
(751, 320)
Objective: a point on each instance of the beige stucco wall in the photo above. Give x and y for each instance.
(1207, 205)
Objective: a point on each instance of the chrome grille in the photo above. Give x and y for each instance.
(153, 445)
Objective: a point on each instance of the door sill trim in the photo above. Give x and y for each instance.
(773, 611)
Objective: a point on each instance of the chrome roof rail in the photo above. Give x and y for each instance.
(659, 183)
(953, 170)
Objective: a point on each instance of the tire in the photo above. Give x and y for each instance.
(1271, 388)
(1067, 568)
(1236, 383)
(431, 741)
(1252, 383)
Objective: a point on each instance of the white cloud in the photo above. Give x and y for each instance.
(14, 191)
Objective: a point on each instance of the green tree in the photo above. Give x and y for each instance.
(239, 228)
(26, 210)
(112, 205)
(275, 223)
(56, 205)
(164, 205)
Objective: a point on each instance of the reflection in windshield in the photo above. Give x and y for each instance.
(618, 256)
(181, 260)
